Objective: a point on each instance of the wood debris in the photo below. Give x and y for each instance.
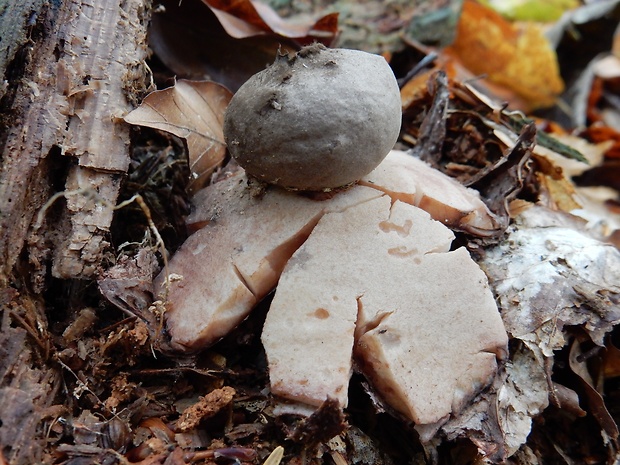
(75, 90)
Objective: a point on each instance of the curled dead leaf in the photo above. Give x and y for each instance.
(596, 403)
(214, 54)
(194, 111)
(248, 18)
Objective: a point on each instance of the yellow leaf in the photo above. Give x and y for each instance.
(532, 10)
(515, 56)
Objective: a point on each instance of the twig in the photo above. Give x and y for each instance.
(428, 59)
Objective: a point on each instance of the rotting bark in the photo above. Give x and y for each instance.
(78, 69)
(16, 23)
(69, 71)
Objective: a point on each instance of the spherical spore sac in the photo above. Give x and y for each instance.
(318, 120)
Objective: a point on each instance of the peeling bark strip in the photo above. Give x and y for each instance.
(79, 79)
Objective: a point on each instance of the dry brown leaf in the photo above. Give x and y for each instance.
(604, 135)
(214, 55)
(611, 361)
(194, 111)
(247, 18)
(517, 57)
(556, 190)
(416, 88)
(596, 403)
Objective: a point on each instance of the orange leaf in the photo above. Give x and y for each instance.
(194, 111)
(599, 133)
(518, 57)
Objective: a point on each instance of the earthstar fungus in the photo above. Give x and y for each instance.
(366, 275)
(361, 276)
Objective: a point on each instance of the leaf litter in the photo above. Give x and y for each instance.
(125, 404)
(193, 111)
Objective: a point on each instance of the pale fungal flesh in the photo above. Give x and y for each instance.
(321, 289)
(437, 346)
(411, 180)
(236, 259)
(428, 330)
(363, 274)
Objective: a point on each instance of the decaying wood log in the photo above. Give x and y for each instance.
(69, 71)
(76, 69)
